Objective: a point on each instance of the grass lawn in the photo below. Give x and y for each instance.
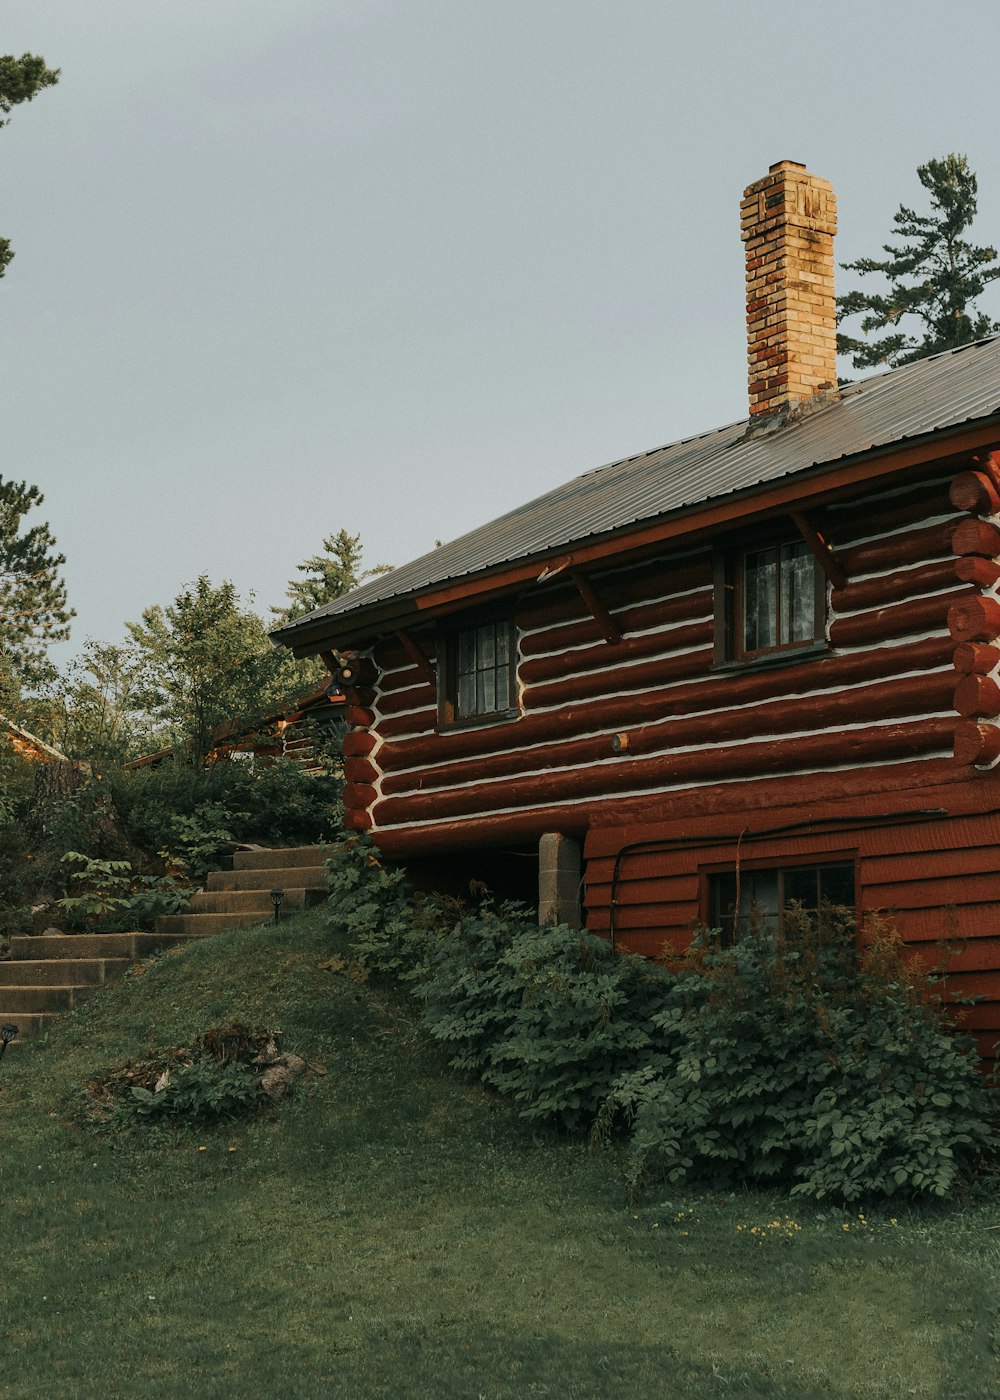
(391, 1231)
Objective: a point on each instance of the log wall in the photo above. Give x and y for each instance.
(651, 713)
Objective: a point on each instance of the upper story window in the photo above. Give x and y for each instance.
(478, 672)
(774, 601)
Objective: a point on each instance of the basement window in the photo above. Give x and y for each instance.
(759, 899)
(772, 601)
(477, 672)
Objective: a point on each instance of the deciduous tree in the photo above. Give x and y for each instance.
(205, 660)
(935, 275)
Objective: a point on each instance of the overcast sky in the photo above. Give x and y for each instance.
(397, 266)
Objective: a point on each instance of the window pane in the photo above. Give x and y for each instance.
(487, 691)
(466, 652)
(760, 581)
(798, 605)
(486, 639)
(836, 885)
(466, 695)
(801, 886)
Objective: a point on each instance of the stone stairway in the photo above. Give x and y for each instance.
(241, 896)
(47, 975)
(50, 974)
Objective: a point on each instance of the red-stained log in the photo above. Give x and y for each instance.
(974, 619)
(976, 537)
(977, 743)
(362, 695)
(418, 724)
(625, 679)
(919, 503)
(415, 698)
(626, 589)
(707, 765)
(976, 657)
(919, 615)
(896, 551)
(907, 696)
(359, 717)
(975, 492)
(923, 781)
(984, 573)
(977, 697)
(358, 744)
(893, 588)
(360, 770)
(989, 464)
(357, 819)
(621, 712)
(666, 612)
(359, 796)
(539, 669)
(400, 678)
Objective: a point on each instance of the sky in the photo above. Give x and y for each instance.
(285, 267)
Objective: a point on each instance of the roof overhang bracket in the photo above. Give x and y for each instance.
(610, 630)
(418, 656)
(821, 551)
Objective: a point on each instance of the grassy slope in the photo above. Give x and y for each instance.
(392, 1231)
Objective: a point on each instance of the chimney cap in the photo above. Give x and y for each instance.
(785, 165)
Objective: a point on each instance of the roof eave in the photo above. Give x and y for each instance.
(809, 485)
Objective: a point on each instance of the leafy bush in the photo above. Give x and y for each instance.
(784, 1061)
(793, 1061)
(204, 1089)
(373, 905)
(547, 1016)
(177, 807)
(108, 895)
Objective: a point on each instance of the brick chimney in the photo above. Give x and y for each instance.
(788, 220)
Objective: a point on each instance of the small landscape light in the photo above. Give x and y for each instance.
(276, 897)
(7, 1034)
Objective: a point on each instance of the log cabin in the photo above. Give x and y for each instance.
(755, 666)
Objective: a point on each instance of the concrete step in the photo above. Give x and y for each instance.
(89, 945)
(53, 998)
(281, 858)
(27, 1023)
(201, 925)
(60, 972)
(289, 877)
(252, 901)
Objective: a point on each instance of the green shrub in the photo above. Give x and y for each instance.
(372, 903)
(108, 896)
(547, 1016)
(271, 801)
(784, 1061)
(794, 1061)
(204, 1089)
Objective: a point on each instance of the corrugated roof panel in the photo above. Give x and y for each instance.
(941, 392)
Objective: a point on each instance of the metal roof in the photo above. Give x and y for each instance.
(932, 395)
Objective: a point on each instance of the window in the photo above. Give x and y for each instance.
(774, 601)
(478, 672)
(765, 894)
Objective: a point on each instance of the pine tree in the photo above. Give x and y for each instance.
(934, 275)
(327, 576)
(33, 607)
(21, 79)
